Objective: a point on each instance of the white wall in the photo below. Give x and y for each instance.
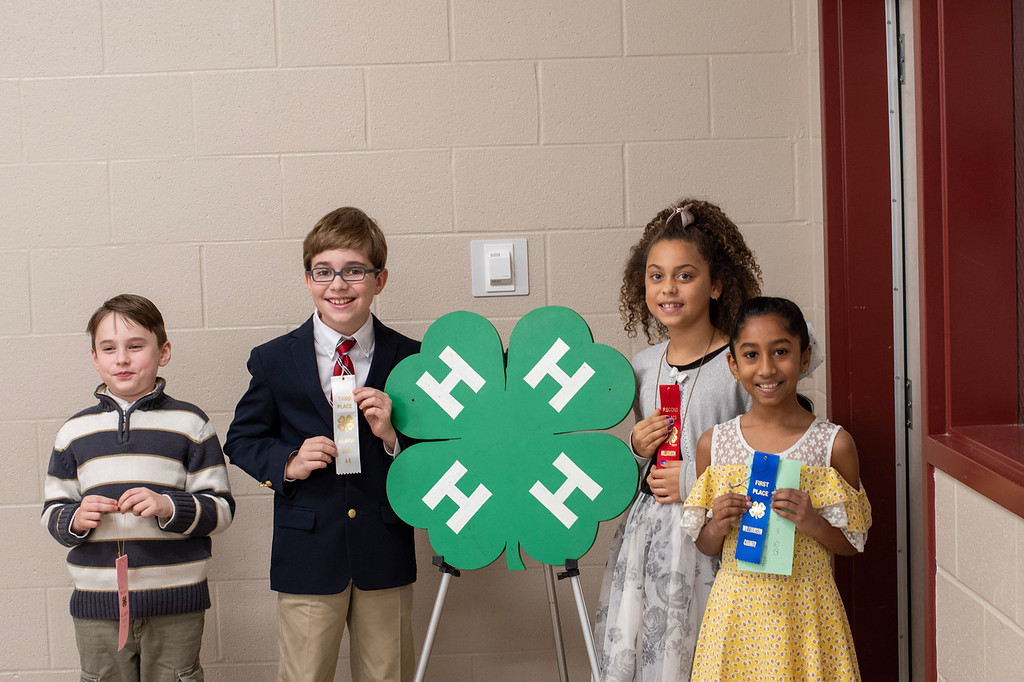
(182, 150)
(979, 586)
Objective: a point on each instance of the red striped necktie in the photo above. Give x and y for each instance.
(344, 361)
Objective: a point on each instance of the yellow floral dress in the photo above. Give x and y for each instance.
(777, 627)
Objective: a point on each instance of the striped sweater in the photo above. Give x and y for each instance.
(160, 443)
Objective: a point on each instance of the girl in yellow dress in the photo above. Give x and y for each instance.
(762, 626)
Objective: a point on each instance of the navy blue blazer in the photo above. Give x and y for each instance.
(328, 529)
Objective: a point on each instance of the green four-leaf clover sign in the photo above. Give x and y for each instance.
(503, 464)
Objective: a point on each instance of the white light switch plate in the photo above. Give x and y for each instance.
(482, 250)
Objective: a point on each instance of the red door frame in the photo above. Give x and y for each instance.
(967, 260)
(858, 240)
(966, 236)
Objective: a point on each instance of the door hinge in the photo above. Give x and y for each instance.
(901, 58)
(908, 402)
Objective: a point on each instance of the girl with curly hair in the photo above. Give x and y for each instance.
(684, 280)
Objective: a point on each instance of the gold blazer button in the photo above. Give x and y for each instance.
(351, 513)
(266, 484)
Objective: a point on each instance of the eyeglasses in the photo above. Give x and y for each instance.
(352, 273)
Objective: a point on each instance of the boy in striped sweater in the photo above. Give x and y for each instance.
(139, 474)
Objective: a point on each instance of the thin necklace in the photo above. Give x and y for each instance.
(693, 385)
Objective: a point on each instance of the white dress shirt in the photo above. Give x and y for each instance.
(325, 341)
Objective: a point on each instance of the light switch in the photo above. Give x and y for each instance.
(500, 267)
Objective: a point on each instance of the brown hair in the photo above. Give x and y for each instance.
(346, 228)
(138, 309)
(718, 241)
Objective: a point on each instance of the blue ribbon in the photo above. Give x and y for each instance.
(754, 524)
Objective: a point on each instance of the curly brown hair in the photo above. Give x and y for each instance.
(718, 241)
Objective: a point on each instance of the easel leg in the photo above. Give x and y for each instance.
(572, 572)
(556, 623)
(435, 617)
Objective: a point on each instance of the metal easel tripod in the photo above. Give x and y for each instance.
(571, 571)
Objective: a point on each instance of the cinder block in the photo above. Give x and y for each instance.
(752, 180)
(811, 183)
(208, 366)
(1019, 616)
(338, 32)
(157, 36)
(23, 637)
(10, 122)
(611, 100)
(242, 552)
(538, 188)
(805, 26)
(112, 117)
(483, 606)
(607, 329)
(55, 205)
(16, 314)
(210, 644)
(759, 95)
(1004, 648)
(444, 668)
(240, 672)
(959, 631)
(243, 485)
(596, 559)
(699, 27)
(777, 248)
(452, 105)
(589, 268)
(167, 275)
(46, 390)
(404, 192)
(46, 434)
(19, 474)
(61, 628)
(33, 558)
(247, 621)
(533, 29)
(50, 38)
(277, 295)
(205, 199)
(986, 562)
(418, 293)
(814, 91)
(287, 110)
(533, 664)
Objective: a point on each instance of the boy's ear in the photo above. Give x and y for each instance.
(382, 279)
(165, 354)
(95, 359)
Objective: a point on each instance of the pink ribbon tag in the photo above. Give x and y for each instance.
(121, 564)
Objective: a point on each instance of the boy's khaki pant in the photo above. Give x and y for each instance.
(380, 632)
(158, 649)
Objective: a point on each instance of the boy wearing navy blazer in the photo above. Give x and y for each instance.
(340, 556)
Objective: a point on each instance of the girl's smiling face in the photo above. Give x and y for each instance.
(678, 284)
(768, 360)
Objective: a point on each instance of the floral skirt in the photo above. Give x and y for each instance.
(655, 589)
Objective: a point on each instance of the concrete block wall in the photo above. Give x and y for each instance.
(979, 586)
(182, 150)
